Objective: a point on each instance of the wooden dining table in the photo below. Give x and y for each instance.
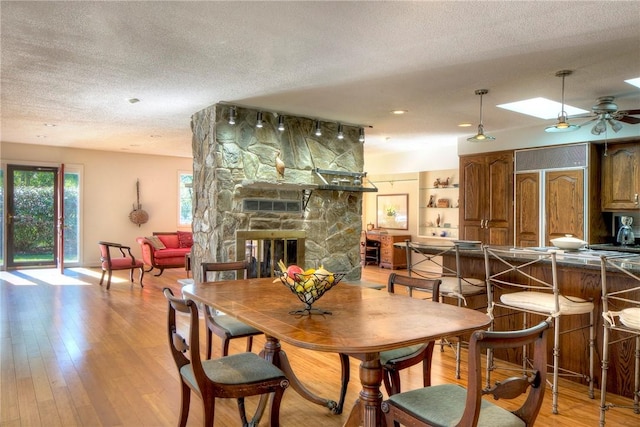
(360, 322)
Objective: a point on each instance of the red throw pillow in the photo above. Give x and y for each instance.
(185, 239)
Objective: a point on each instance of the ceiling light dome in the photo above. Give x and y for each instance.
(480, 136)
(563, 124)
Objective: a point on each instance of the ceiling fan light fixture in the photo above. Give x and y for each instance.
(615, 125)
(480, 136)
(599, 127)
(563, 124)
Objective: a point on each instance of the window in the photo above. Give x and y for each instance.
(185, 198)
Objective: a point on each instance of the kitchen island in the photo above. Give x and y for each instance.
(579, 274)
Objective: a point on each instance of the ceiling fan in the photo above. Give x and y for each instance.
(606, 112)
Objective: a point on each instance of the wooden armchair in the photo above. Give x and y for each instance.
(125, 261)
(231, 377)
(452, 405)
(223, 326)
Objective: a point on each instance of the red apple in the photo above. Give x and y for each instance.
(292, 270)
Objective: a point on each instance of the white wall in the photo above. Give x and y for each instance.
(108, 191)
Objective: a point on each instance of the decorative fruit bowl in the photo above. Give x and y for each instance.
(309, 286)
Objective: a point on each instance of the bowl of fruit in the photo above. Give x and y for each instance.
(308, 285)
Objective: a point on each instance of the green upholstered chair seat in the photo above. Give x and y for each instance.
(443, 405)
(243, 368)
(386, 356)
(234, 326)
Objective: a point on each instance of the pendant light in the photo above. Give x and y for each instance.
(562, 125)
(280, 122)
(259, 119)
(232, 115)
(481, 136)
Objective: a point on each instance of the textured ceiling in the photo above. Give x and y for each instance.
(75, 64)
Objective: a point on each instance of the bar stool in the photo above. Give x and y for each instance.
(620, 301)
(528, 283)
(453, 285)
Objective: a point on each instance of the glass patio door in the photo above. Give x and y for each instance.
(31, 220)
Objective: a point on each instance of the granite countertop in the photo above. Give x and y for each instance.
(587, 258)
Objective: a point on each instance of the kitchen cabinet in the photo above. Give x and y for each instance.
(563, 209)
(621, 177)
(486, 198)
(390, 256)
(556, 193)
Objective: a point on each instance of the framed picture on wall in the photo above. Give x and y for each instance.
(392, 211)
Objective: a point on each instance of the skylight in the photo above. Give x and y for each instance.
(542, 108)
(635, 82)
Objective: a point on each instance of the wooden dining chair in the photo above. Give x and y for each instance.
(124, 260)
(231, 377)
(453, 405)
(393, 361)
(223, 326)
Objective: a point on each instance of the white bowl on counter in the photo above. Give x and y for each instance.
(568, 242)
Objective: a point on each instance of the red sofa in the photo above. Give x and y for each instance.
(165, 249)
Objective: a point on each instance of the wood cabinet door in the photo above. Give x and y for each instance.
(472, 206)
(527, 209)
(486, 198)
(564, 204)
(499, 199)
(621, 177)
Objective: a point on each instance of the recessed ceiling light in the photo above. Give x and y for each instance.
(41, 136)
(635, 82)
(155, 136)
(465, 125)
(399, 112)
(133, 100)
(541, 108)
(50, 125)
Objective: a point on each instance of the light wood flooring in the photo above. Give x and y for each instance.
(75, 354)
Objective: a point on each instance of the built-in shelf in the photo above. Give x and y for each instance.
(429, 213)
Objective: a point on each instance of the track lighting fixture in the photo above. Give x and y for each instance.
(318, 131)
(563, 124)
(281, 123)
(480, 136)
(259, 119)
(361, 135)
(340, 132)
(232, 115)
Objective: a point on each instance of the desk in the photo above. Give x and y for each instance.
(364, 323)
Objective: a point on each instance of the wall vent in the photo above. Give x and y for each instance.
(265, 205)
(560, 157)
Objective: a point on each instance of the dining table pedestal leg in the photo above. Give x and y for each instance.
(273, 352)
(366, 411)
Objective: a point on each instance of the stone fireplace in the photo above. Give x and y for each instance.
(237, 188)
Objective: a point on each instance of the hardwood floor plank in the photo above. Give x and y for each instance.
(78, 355)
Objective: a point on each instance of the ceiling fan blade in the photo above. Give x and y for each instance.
(629, 112)
(593, 119)
(583, 116)
(629, 119)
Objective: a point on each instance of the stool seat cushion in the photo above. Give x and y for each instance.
(449, 285)
(545, 303)
(630, 317)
